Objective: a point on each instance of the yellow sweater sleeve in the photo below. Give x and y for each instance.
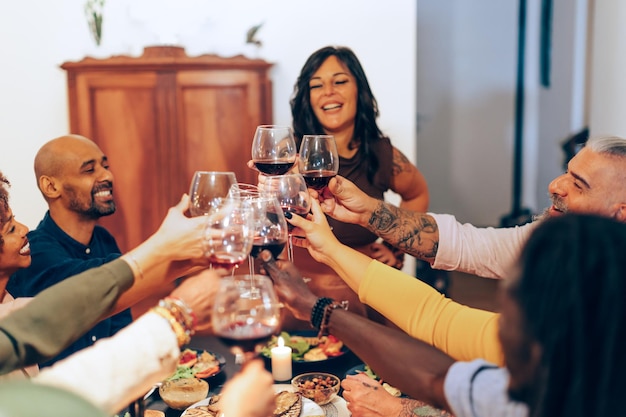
(462, 332)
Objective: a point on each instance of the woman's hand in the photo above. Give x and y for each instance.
(314, 233)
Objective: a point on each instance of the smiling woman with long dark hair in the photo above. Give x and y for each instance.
(332, 96)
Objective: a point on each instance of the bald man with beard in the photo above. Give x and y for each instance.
(74, 178)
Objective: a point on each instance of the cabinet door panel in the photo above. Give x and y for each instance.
(124, 121)
(218, 112)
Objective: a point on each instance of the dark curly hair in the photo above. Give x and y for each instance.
(572, 293)
(365, 128)
(4, 203)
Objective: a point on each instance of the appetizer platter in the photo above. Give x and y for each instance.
(198, 363)
(307, 347)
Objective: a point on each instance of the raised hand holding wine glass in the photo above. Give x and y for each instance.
(246, 314)
(273, 149)
(319, 160)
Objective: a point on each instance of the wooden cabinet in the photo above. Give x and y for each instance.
(162, 116)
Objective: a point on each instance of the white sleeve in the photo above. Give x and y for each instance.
(479, 389)
(484, 251)
(117, 370)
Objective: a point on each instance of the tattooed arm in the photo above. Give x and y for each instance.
(367, 398)
(415, 233)
(409, 183)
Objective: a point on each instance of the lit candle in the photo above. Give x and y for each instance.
(281, 361)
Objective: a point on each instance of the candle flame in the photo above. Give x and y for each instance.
(281, 341)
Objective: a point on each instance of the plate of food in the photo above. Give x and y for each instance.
(288, 404)
(420, 408)
(198, 363)
(307, 347)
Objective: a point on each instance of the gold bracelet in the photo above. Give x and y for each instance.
(182, 336)
(178, 305)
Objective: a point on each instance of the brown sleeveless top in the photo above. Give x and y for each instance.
(325, 282)
(355, 169)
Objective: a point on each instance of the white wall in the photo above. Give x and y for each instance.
(466, 82)
(39, 35)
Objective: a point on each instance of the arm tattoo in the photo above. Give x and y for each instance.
(398, 163)
(415, 233)
(412, 408)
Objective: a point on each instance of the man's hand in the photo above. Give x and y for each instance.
(289, 285)
(367, 398)
(344, 201)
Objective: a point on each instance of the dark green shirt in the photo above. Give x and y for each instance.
(61, 314)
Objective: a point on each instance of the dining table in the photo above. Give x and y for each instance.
(337, 366)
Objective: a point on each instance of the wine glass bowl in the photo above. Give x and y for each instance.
(273, 149)
(229, 234)
(246, 313)
(291, 192)
(270, 226)
(207, 189)
(319, 160)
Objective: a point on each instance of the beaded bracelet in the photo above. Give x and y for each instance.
(182, 335)
(328, 310)
(317, 313)
(178, 306)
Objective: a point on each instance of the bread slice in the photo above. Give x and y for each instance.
(288, 404)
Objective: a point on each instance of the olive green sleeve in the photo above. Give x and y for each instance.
(462, 332)
(60, 314)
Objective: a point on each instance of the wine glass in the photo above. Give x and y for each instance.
(291, 192)
(273, 149)
(246, 314)
(319, 160)
(244, 191)
(270, 227)
(207, 189)
(229, 233)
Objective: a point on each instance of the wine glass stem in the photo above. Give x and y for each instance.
(241, 358)
(251, 263)
(290, 248)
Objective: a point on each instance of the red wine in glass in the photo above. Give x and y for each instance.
(302, 212)
(318, 179)
(246, 337)
(227, 260)
(273, 167)
(275, 247)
